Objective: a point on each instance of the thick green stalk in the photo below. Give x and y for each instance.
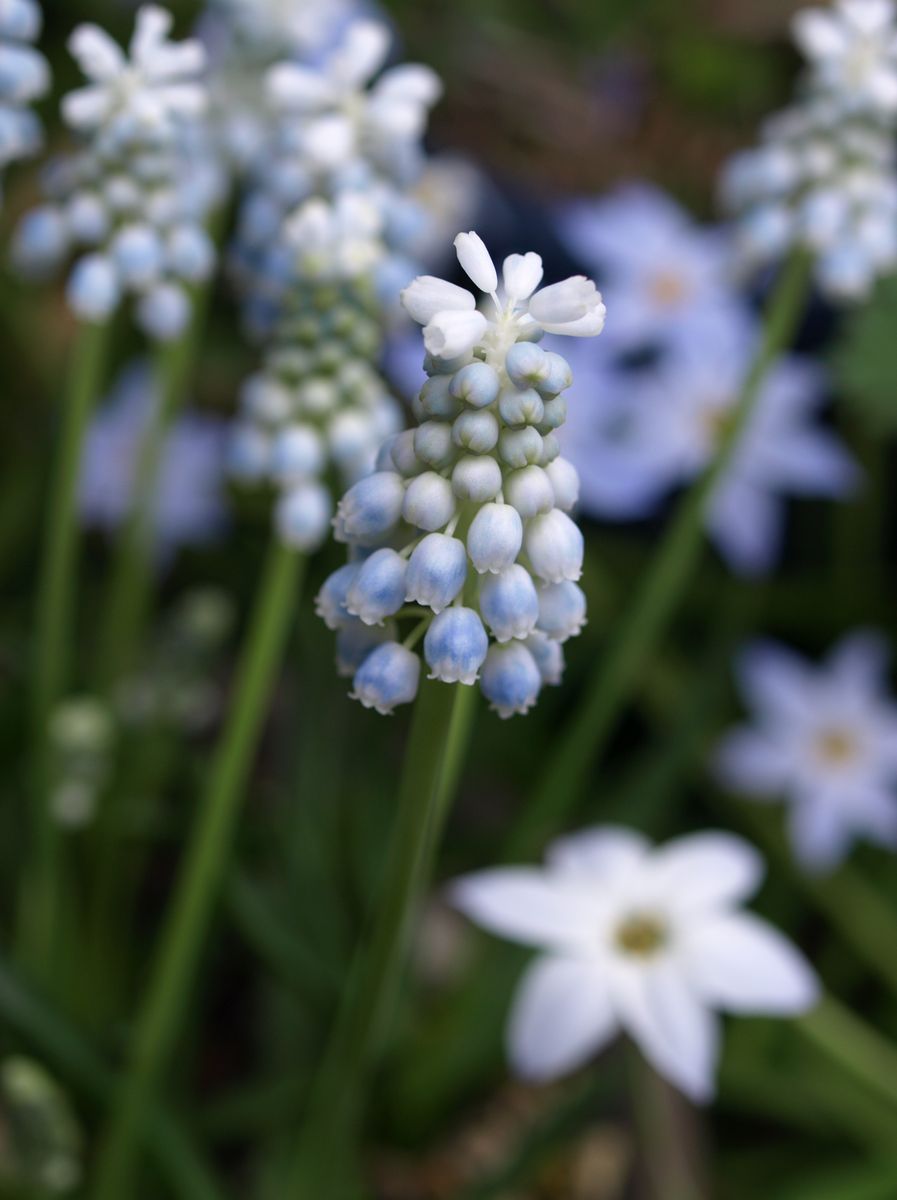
(62, 1048)
(856, 1046)
(54, 640)
(437, 745)
(129, 593)
(190, 912)
(582, 738)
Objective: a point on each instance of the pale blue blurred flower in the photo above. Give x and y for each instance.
(661, 273)
(190, 504)
(824, 740)
(635, 436)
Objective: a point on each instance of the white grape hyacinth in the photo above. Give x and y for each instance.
(648, 941)
(24, 78)
(464, 525)
(825, 175)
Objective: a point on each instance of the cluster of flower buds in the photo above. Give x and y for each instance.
(315, 244)
(82, 737)
(464, 524)
(24, 77)
(825, 175)
(133, 202)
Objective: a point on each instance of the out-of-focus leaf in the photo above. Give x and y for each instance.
(864, 362)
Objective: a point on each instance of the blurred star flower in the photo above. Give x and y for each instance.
(824, 739)
(661, 273)
(644, 433)
(646, 940)
(189, 506)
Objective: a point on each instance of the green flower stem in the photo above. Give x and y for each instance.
(130, 587)
(173, 974)
(54, 640)
(583, 737)
(861, 1050)
(668, 1136)
(63, 1049)
(436, 749)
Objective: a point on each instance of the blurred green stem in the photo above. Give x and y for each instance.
(127, 603)
(856, 1046)
(60, 1046)
(584, 735)
(53, 642)
(187, 923)
(668, 1136)
(436, 748)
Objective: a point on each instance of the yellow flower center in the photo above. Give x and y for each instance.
(836, 747)
(668, 289)
(641, 935)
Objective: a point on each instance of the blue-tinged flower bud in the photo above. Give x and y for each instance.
(554, 545)
(190, 253)
(355, 641)
(551, 448)
(565, 481)
(433, 444)
(87, 218)
(559, 376)
(351, 437)
(477, 384)
(562, 610)
(526, 364)
(509, 603)
(164, 311)
(521, 406)
(436, 365)
(388, 677)
(530, 491)
(436, 571)
(319, 397)
(303, 514)
(554, 414)
(138, 255)
(41, 242)
(330, 602)
(476, 477)
(475, 430)
(429, 501)
(548, 656)
(510, 680)
(370, 509)
(404, 458)
(378, 590)
(266, 399)
(436, 399)
(297, 454)
(249, 453)
(94, 289)
(455, 645)
(520, 447)
(494, 538)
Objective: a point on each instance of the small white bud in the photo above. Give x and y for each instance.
(494, 538)
(554, 546)
(429, 502)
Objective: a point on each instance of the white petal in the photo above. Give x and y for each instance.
(859, 661)
(600, 854)
(476, 261)
(523, 904)
(565, 302)
(411, 83)
(521, 275)
(99, 57)
(818, 34)
(361, 54)
(705, 870)
(450, 334)
(775, 682)
(588, 326)
(289, 85)
(749, 761)
(85, 107)
(151, 27)
(426, 296)
(562, 1015)
(676, 1032)
(820, 833)
(744, 965)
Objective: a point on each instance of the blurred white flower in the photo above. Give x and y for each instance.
(648, 941)
(24, 77)
(852, 48)
(824, 740)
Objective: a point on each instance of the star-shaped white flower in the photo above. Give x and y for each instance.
(338, 240)
(453, 326)
(852, 48)
(344, 114)
(148, 90)
(650, 941)
(824, 739)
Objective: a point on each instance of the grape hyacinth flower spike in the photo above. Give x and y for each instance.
(465, 522)
(24, 77)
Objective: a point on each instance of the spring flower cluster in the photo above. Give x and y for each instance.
(24, 77)
(466, 517)
(823, 739)
(825, 176)
(650, 941)
(133, 202)
(323, 219)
